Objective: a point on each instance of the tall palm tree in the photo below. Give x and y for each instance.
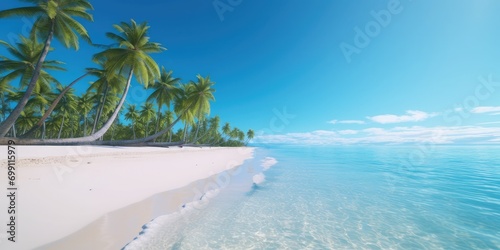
(55, 18)
(199, 95)
(107, 82)
(226, 130)
(132, 55)
(250, 135)
(133, 116)
(54, 104)
(167, 119)
(26, 54)
(84, 104)
(41, 97)
(147, 114)
(26, 120)
(66, 107)
(182, 109)
(165, 91)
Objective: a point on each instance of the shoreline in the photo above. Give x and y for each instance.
(91, 196)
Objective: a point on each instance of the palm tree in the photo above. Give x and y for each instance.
(26, 120)
(182, 109)
(84, 106)
(167, 119)
(250, 135)
(132, 55)
(54, 19)
(54, 104)
(226, 130)
(66, 107)
(147, 113)
(165, 91)
(42, 94)
(199, 95)
(26, 54)
(133, 116)
(5, 89)
(107, 82)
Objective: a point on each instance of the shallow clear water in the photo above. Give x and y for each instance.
(377, 197)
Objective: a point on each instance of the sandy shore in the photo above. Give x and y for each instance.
(89, 196)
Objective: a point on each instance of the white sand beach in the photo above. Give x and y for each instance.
(67, 194)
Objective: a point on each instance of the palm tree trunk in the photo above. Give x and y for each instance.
(101, 108)
(133, 129)
(91, 139)
(85, 139)
(85, 125)
(60, 129)
(43, 131)
(197, 129)
(11, 119)
(158, 117)
(185, 132)
(53, 106)
(14, 130)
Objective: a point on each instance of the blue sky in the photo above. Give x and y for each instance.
(421, 71)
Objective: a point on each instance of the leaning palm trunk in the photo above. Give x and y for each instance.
(61, 128)
(53, 106)
(79, 140)
(11, 119)
(100, 109)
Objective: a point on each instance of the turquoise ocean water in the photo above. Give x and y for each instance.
(354, 197)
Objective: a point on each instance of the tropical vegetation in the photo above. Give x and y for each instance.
(38, 109)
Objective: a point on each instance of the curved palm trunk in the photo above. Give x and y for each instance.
(11, 119)
(85, 125)
(133, 129)
(53, 106)
(92, 139)
(43, 131)
(158, 117)
(101, 108)
(60, 129)
(185, 132)
(79, 140)
(197, 129)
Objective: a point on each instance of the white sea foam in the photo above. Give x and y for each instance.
(259, 178)
(268, 162)
(154, 227)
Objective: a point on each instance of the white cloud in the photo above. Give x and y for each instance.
(348, 132)
(397, 135)
(411, 116)
(486, 109)
(346, 122)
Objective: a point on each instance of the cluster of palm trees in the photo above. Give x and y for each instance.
(43, 111)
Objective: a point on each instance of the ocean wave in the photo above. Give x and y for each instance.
(268, 162)
(150, 229)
